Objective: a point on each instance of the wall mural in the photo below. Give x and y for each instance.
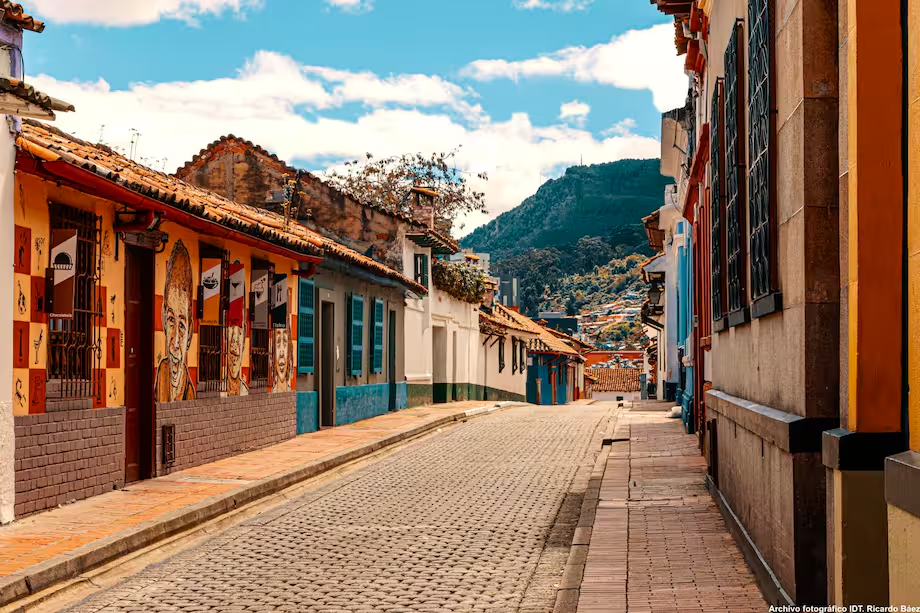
(282, 368)
(173, 382)
(236, 334)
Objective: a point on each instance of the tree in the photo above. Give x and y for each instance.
(387, 183)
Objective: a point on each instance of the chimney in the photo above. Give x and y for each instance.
(423, 205)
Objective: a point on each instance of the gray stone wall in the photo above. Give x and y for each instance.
(67, 455)
(211, 429)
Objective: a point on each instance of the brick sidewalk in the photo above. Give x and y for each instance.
(658, 542)
(42, 539)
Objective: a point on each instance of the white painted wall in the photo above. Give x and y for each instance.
(419, 366)
(514, 382)
(460, 321)
(7, 182)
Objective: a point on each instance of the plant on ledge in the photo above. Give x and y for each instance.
(462, 281)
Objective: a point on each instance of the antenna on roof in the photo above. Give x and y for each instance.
(101, 130)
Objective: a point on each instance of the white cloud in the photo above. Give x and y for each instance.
(564, 6)
(621, 128)
(134, 12)
(637, 59)
(283, 107)
(574, 111)
(351, 6)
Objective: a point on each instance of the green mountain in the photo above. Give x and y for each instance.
(602, 200)
(585, 223)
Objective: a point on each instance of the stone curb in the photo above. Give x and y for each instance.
(570, 586)
(70, 565)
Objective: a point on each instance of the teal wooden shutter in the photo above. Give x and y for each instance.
(356, 335)
(378, 336)
(305, 326)
(421, 268)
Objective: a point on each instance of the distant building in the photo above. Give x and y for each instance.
(559, 321)
(508, 291)
(482, 260)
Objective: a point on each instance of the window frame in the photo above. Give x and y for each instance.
(87, 313)
(306, 326)
(501, 355)
(258, 351)
(355, 353)
(717, 206)
(375, 338)
(211, 332)
(421, 268)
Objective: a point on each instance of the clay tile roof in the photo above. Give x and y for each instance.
(495, 319)
(546, 341)
(616, 379)
(50, 144)
(205, 154)
(14, 13)
(24, 91)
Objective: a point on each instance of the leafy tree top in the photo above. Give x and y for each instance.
(387, 183)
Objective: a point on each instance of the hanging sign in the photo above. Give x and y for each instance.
(280, 301)
(259, 302)
(211, 279)
(236, 314)
(64, 265)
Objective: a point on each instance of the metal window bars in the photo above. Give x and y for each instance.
(716, 193)
(75, 344)
(734, 170)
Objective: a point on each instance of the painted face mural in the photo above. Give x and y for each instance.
(282, 360)
(173, 381)
(236, 337)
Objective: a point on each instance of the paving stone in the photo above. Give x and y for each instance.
(455, 522)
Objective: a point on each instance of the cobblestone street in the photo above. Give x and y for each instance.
(454, 522)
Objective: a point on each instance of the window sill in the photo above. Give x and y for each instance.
(767, 305)
(719, 325)
(739, 317)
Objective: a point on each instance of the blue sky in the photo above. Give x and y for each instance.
(527, 87)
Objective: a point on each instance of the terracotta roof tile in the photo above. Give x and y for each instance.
(15, 14)
(547, 340)
(24, 91)
(616, 379)
(50, 144)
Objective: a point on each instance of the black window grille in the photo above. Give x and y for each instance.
(716, 202)
(760, 105)
(212, 339)
(501, 355)
(258, 360)
(75, 347)
(734, 170)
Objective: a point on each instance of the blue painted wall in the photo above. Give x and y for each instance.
(356, 402)
(402, 395)
(539, 375)
(307, 412)
(561, 384)
(685, 327)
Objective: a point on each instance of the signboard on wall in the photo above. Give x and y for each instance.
(279, 301)
(259, 304)
(211, 282)
(64, 265)
(236, 315)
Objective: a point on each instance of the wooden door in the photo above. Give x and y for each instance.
(139, 325)
(391, 359)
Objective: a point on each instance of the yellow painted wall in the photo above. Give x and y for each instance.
(32, 220)
(244, 254)
(32, 214)
(903, 557)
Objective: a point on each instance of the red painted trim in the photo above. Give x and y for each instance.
(696, 24)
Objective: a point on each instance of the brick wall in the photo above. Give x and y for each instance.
(211, 429)
(68, 455)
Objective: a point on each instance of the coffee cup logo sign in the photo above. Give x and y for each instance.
(211, 281)
(237, 294)
(260, 299)
(64, 264)
(280, 302)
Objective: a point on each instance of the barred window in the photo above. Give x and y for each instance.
(73, 303)
(716, 201)
(501, 355)
(213, 300)
(260, 335)
(761, 150)
(734, 176)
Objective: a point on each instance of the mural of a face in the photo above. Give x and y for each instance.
(282, 361)
(173, 380)
(236, 338)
